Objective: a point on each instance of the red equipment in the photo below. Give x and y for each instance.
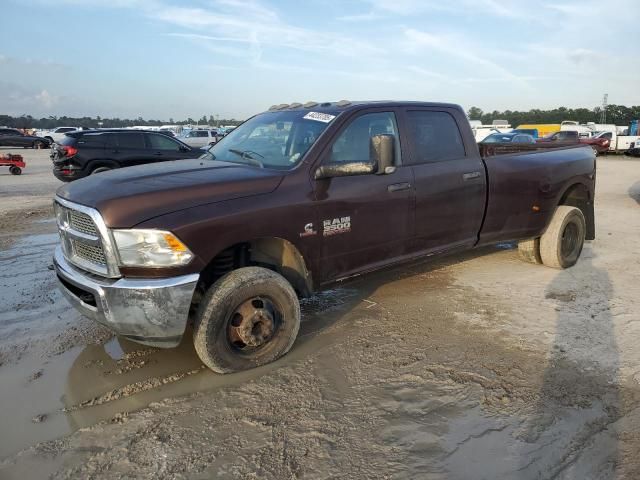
(15, 163)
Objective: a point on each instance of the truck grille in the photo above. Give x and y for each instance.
(81, 240)
(82, 222)
(91, 253)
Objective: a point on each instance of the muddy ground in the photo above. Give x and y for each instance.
(477, 366)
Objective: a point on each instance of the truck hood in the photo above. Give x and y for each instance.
(132, 195)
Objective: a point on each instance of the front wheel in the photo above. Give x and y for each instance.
(249, 317)
(562, 242)
(38, 144)
(15, 170)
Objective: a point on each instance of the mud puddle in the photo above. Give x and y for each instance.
(61, 372)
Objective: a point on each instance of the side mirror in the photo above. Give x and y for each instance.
(184, 148)
(381, 153)
(343, 169)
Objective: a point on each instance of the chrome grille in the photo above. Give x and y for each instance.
(90, 253)
(82, 222)
(83, 242)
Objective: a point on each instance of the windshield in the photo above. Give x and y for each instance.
(271, 140)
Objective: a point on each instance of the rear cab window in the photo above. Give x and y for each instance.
(435, 136)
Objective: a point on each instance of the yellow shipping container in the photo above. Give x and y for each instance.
(543, 128)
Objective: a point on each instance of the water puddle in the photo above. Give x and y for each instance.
(57, 377)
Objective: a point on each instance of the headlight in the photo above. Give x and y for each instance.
(150, 248)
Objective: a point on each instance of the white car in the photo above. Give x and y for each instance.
(56, 134)
(200, 138)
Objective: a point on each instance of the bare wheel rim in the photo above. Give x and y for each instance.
(253, 324)
(569, 244)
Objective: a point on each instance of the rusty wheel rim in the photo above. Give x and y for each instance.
(253, 324)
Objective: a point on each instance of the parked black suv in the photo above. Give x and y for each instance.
(12, 137)
(83, 153)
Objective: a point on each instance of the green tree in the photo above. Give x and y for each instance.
(474, 113)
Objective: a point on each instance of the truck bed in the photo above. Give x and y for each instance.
(527, 182)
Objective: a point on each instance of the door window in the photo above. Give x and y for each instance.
(131, 140)
(353, 143)
(435, 135)
(162, 142)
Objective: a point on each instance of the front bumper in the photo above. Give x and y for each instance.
(148, 311)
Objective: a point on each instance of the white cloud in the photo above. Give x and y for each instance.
(256, 25)
(458, 48)
(375, 9)
(45, 99)
(17, 99)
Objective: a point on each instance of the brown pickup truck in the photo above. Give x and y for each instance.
(599, 143)
(293, 200)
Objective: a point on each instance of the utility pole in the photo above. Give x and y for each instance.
(603, 115)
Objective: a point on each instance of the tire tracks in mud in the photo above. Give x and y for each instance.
(131, 389)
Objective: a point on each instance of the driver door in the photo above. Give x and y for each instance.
(364, 219)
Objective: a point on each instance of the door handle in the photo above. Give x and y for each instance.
(397, 187)
(470, 175)
(158, 154)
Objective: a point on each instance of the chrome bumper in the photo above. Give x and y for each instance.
(148, 311)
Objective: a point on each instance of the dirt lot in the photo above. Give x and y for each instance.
(477, 366)
(26, 196)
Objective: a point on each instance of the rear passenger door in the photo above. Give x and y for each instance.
(130, 149)
(449, 177)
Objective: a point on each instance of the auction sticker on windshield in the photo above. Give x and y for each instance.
(319, 117)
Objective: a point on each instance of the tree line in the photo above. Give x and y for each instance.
(616, 114)
(29, 122)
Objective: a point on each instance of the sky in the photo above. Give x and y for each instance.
(233, 58)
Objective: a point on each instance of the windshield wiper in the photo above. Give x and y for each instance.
(246, 154)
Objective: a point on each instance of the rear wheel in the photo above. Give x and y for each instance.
(249, 317)
(562, 242)
(15, 170)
